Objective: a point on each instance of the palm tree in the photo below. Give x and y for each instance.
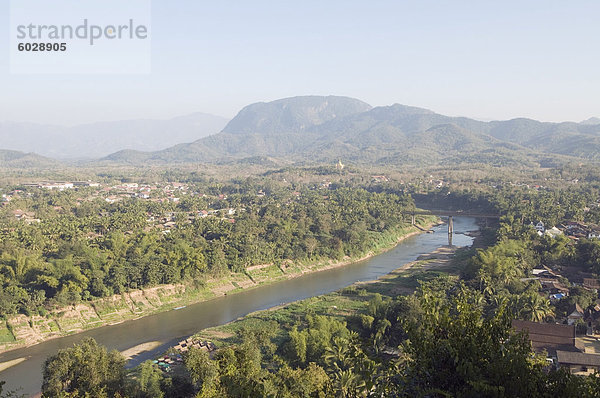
(337, 354)
(382, 327)
(347, 384)
(535, 307)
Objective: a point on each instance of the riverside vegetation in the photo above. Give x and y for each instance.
(444, 335)
(85, 262)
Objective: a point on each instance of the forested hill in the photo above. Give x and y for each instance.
(16, 159)
(293, 115)
(324, 129)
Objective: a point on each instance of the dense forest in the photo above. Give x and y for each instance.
(77, 246)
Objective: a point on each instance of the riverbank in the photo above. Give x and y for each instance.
(344, 303)
(30, 330)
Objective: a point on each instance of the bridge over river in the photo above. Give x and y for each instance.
(451, 214)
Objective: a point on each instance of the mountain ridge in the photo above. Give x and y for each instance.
(327, 128)
(308, 128)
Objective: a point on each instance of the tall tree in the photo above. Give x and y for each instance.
(86, 368)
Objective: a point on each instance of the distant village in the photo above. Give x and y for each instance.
(159, 193)
(571, 341)
(573, 230)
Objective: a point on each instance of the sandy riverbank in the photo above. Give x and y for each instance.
(8, 364)
(436, 260)
(140, 348)
(389, 284)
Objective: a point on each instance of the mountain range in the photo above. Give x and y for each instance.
(328, 128)
(324, 129)
(101, 139)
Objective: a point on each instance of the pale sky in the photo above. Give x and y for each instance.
(482, 59)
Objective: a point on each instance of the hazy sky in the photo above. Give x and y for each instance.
(485, 59)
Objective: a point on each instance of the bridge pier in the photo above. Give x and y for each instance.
(450, 230)
(451, 214)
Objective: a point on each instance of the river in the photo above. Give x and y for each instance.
(169, 327)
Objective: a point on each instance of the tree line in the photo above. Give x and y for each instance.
(84, 249)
